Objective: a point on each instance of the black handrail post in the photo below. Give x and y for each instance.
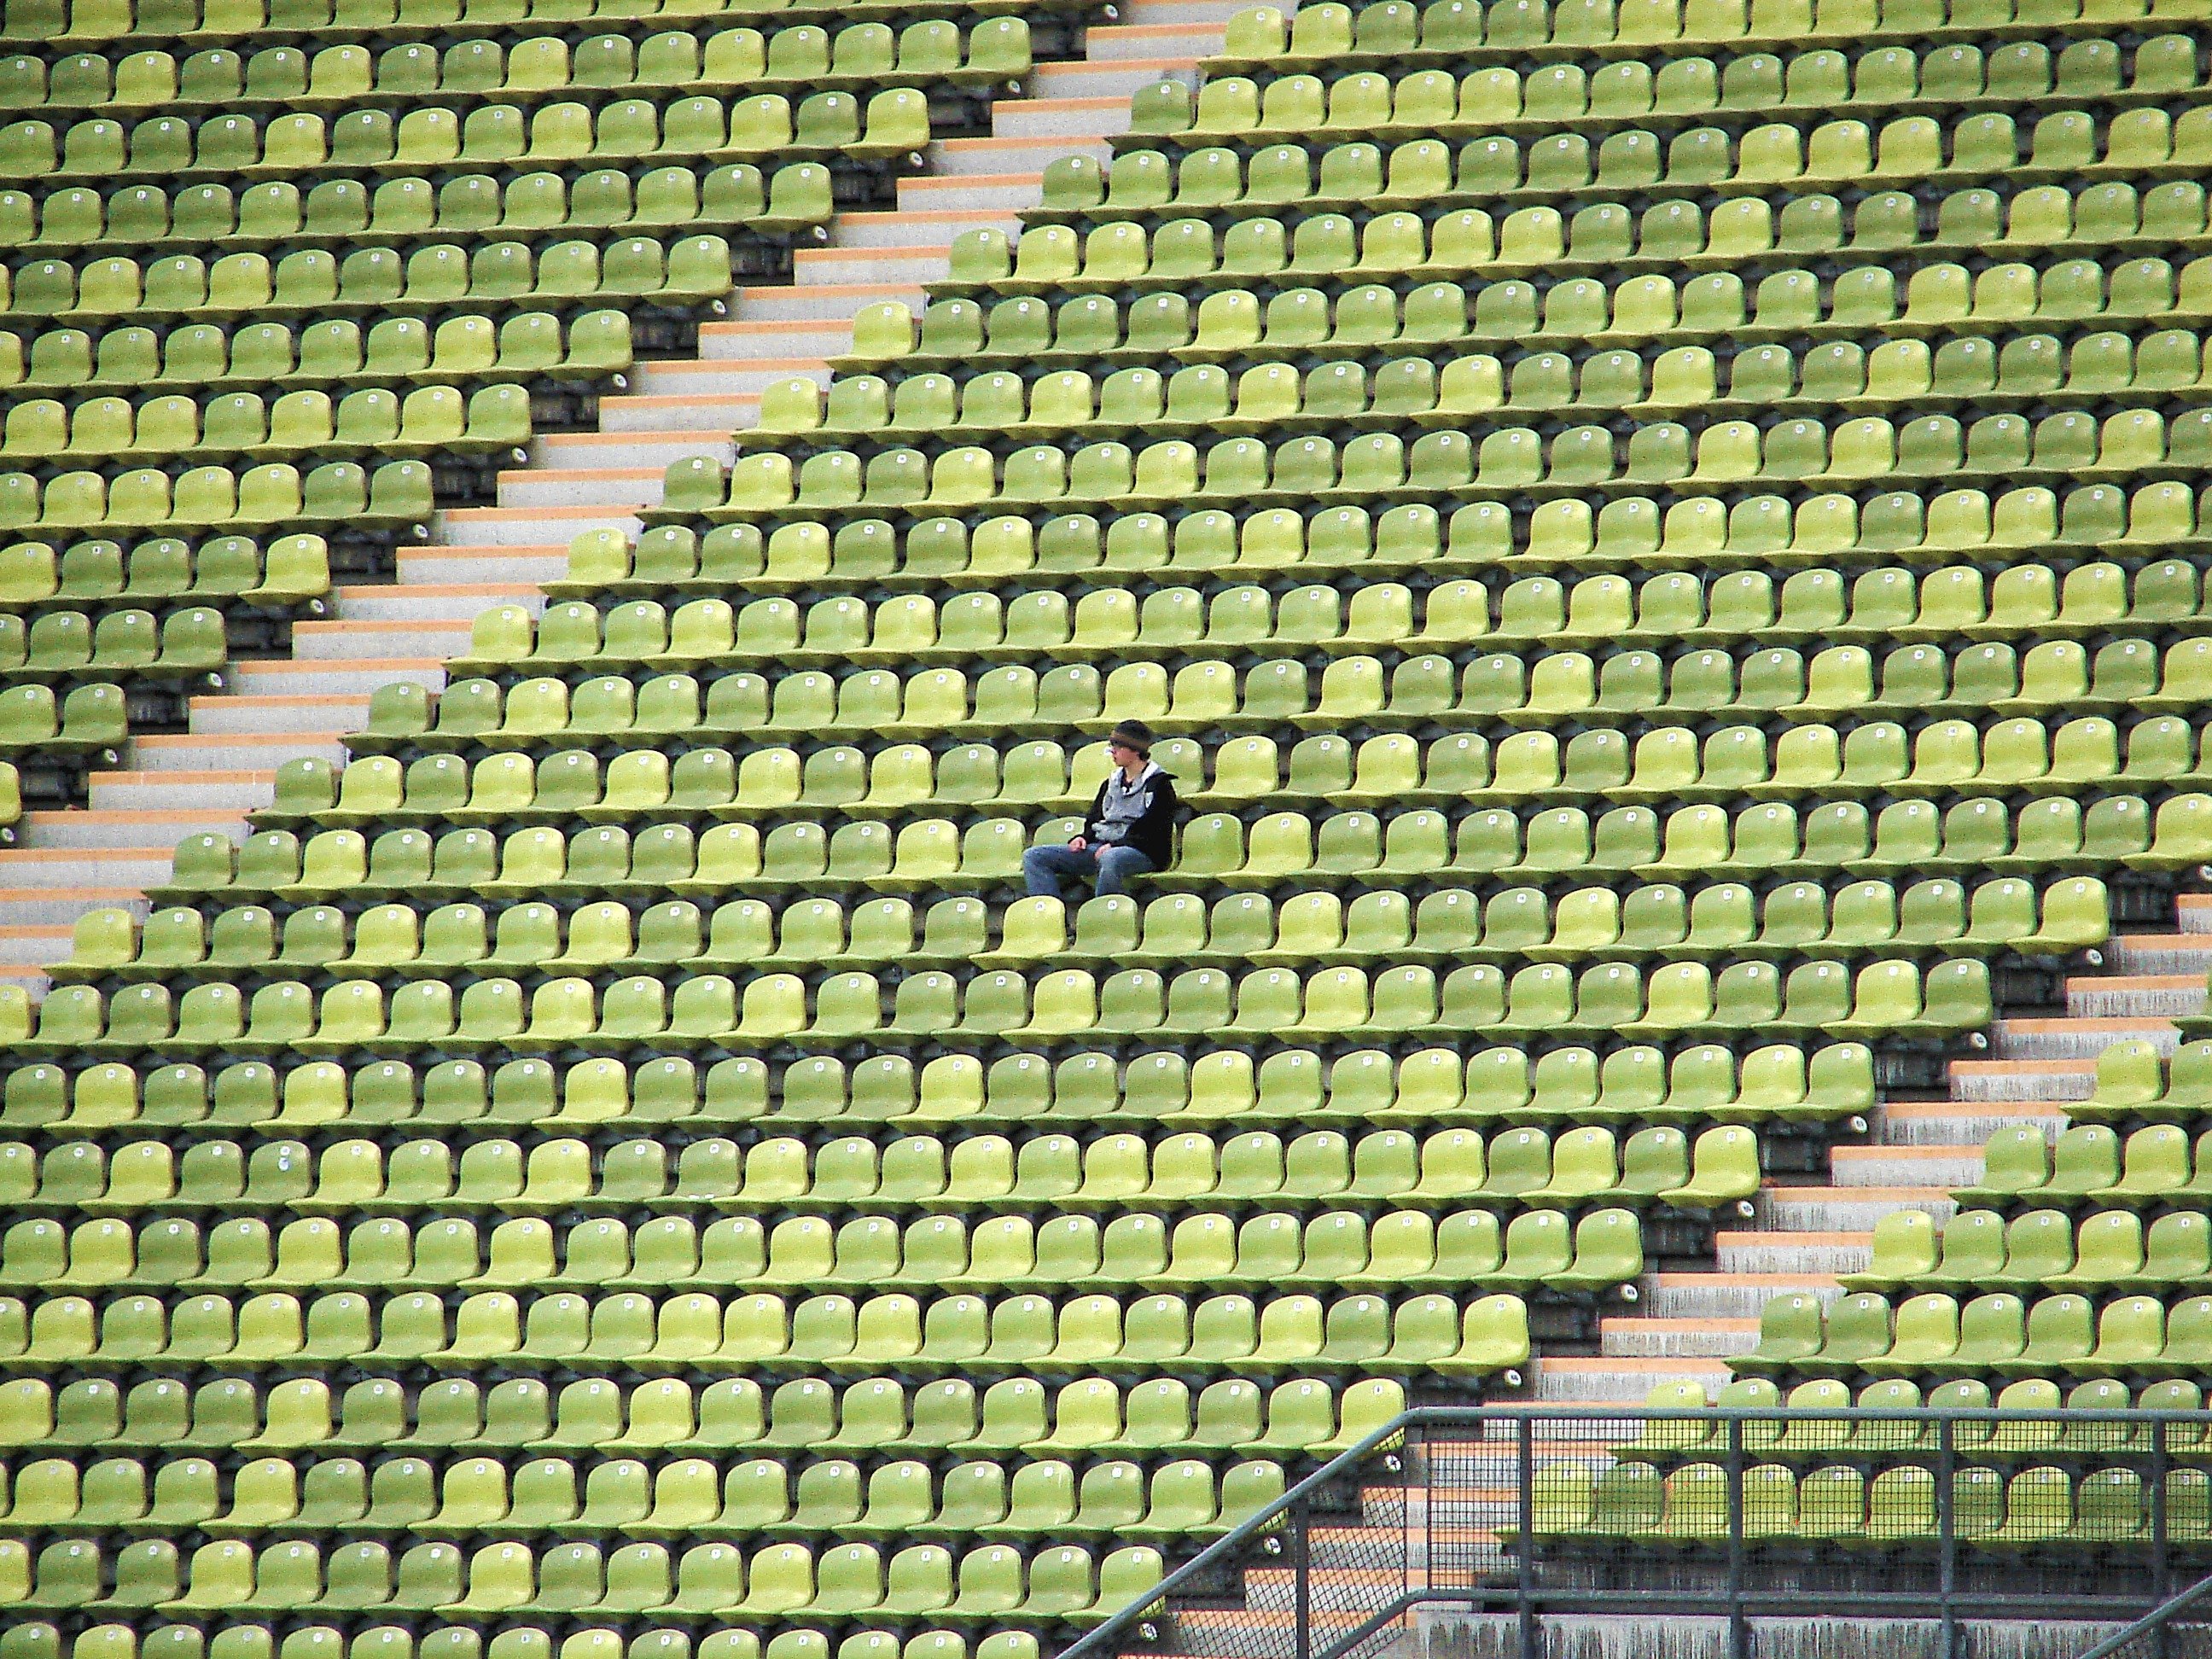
(1947, 1468)
(1525, 1440)
(1301, 1582)
(1738, 1625)
(2161, 1564)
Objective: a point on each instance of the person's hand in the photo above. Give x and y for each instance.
(1079, 844)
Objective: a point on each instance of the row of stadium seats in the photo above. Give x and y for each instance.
(1812, 80)
(1358, 1333)
(1567, 687)
(1181, 253)
(593, 346)
(375, 420)
(1898, 1508)
(1407, 1250)
(538, 205)
(994, 1584)
(1976, 1439)
(1499, 1087)
(1736, 760)
(1886, 997)
(1885, 604)
(1518, 1166)
(1870, 448)
(70, 645)
(1703, 530)
(564, 134)
(2104, 1250)
(2103, 365)
(1999, 1333)
(291, 570)
(1490, 161)
(1629, 531)
(399, 942)
(2137, 1081)
(1105, 622)
(217, 78)
(99, 22)
(272, 495)
(692, 271)
(1078, 330)
(1185, 1497)
(1552, 847)
(85, 721)
(241, 1638)
(2089, 1161)
(1396, 30)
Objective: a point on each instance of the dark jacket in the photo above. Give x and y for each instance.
(1153, 832)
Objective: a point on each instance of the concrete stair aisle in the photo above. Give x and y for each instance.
(581, 481)
(223, 765)
(1685, 1324)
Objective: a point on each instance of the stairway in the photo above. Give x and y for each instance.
(223, 766)
(1684, 1325)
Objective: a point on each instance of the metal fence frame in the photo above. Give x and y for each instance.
(1281, 1538)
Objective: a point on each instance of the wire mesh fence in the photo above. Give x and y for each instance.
(2093, 1518)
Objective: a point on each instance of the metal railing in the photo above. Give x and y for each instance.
(2090, 1517)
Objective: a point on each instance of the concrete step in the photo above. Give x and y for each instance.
(1955, 1165)
(870, 266)
(1627, 1380)
(190, 753)
(532, 527)
(2019, 1081)
(343, 645)
(1797, 1253)
(2161, 953)
(1064, 117)
(109, 868)
(708, 414)
(453, 602)
(1120, 78)
(1182, 11)
(34, 947)
(1000, 154)
(1829, 1209)
(2193, 912)
(240, 791)
(1650, 1337)
(751, 339)
(1152, 43)
(821, 300)
(599, 451)
(607, 491)
(523, 567)
(1727, 1295)
(725, 376)
(2117, 996)
(24, 906)
(1003, 193)
(107, 829)
(279, 720)
(1946, 1123)
(917, 226)
(337, 677)
(2084, 1038)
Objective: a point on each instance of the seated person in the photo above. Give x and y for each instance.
(1129, 829)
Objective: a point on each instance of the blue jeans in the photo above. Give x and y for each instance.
(1042, 867)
